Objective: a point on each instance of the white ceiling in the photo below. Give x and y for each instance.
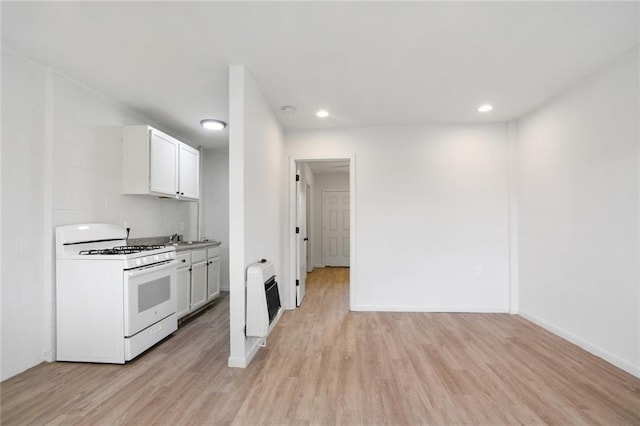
(368, 63)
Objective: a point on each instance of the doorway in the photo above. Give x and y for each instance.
(310, 247)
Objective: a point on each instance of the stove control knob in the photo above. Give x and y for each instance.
(145, 260)
(156, 258)
(138, 262)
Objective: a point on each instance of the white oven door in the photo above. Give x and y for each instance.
(149, 295)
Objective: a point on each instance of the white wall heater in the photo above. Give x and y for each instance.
(263, 298)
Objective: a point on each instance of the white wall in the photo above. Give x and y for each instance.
(23, 108)
(256, 202)
(61, 146)
(578, 161)
(431, 207)
(322, 182)
(215, 205)
(264, 173)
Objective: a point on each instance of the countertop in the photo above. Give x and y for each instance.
(180, 246)
(194, 245)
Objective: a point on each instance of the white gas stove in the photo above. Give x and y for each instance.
(114, 301)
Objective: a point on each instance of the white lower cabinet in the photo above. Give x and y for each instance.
(184, 291)
(184, 285)
(198, 279)
(198, 285)
(213, 278)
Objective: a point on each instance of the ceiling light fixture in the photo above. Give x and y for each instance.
(322, 113)
(211, 124)
(485, 108)
(288, 109)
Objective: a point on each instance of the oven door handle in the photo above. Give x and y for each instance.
(152, 268)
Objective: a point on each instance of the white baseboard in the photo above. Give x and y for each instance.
(611, 358)
(20, 367)
(49, 356)
(252, 344)
(418, 308)
(237, 362)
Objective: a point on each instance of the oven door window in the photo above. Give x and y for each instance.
(150, 295)
(154, 293)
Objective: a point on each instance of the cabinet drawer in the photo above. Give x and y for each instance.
(198, 256)
(184, 259)
(213, 252)
(135, 345)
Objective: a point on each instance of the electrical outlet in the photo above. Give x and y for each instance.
(182, 226)
(126, 225)
(477, 271)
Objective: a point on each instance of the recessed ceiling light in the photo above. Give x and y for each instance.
(322, 113)
(485, 108)
(211, 124)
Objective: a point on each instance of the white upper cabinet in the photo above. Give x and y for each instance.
(155, 163)
(189, 181)
(163, 164)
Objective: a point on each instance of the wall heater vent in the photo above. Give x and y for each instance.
(263, 298)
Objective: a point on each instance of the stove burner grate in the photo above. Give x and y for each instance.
(121, 250)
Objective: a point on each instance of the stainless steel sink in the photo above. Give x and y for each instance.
(185, 245)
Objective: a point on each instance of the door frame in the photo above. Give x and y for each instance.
(353, 267)
(309, 220)
(303, 225)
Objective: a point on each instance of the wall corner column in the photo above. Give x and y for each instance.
(236, 217)
(512, 180)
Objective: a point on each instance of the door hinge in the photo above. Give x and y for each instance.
(297, 178)
(297, 230)
(297, 283)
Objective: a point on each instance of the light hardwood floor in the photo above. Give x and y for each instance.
(326, 365)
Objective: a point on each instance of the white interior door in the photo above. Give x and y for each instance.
(309, 195)
(335, 228)
(301, 234)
